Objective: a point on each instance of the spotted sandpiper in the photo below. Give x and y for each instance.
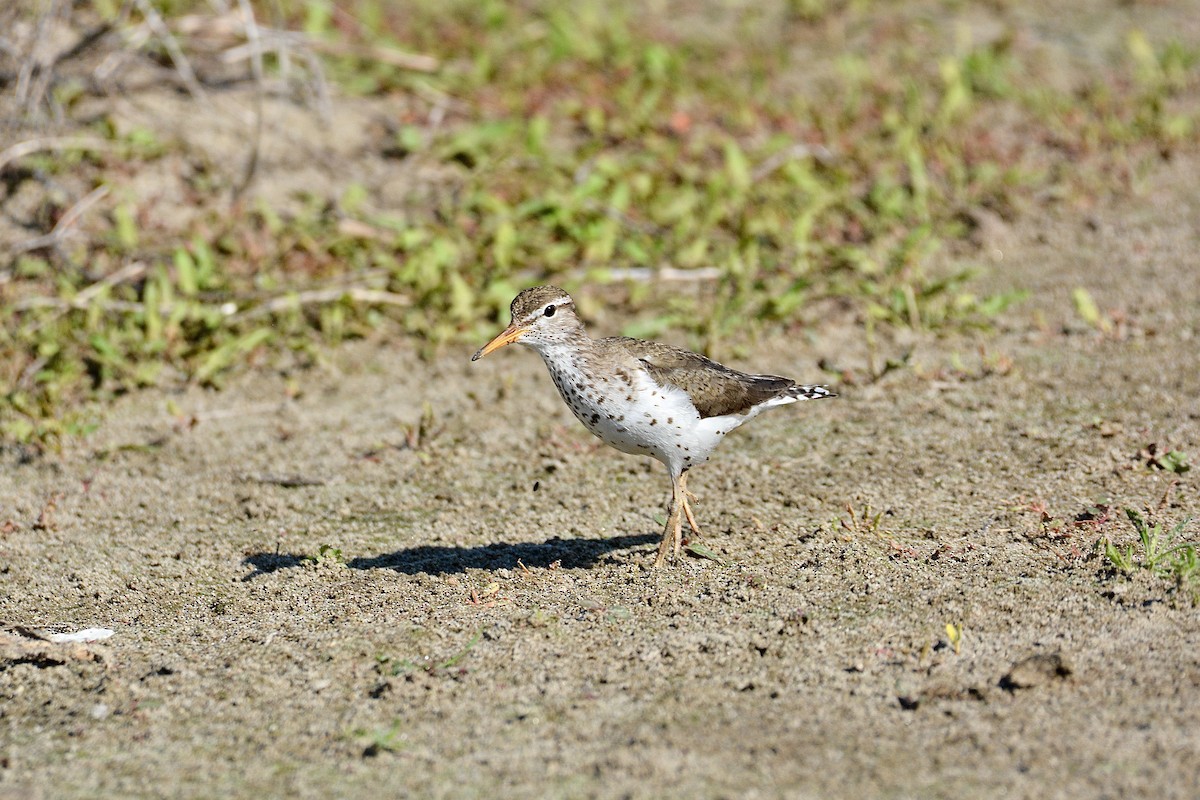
(644, 398)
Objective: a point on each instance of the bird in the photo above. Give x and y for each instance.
(644, 398)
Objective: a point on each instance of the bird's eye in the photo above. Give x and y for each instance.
(550, 311)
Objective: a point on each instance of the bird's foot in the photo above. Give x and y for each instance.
(691, 519)
(672, 541)
(685, 496)
(664, 548)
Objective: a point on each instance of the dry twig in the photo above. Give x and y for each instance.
(290, 301)
(256, 67)
(384, 55)
(131, 271)
(42, 144)
(62, 229)
(184, 67)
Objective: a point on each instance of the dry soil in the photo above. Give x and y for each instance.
(483, 619)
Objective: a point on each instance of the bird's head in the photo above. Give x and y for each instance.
(542, 317)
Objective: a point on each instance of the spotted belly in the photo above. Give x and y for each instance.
(639, 417)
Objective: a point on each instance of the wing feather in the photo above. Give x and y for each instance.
(715, 390)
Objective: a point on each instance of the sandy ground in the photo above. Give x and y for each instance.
(484, 620)
(816, 663)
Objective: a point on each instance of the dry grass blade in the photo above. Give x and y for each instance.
(223, 36)
(664, 274)
(384, 55)
(62, 228)
(42, 144)
(256, 66)
(229, 27)
(357, 294)
(32, 77)
(820, 154)
(130, 272)
(182, 66)
(30, 303)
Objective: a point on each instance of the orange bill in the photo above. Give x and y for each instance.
(507, 336)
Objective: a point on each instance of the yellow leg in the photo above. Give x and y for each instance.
(687, 509)
(672, 540)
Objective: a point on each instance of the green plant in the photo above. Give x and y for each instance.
(1164, 458)
(1158, 552)
(954, 635)
(864, 521)
(1088, 311)
(604, 145)
(391, 739)
(386, 665)
(327, 554)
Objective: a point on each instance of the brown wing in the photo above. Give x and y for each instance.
(715, 389)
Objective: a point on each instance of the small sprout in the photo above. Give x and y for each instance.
(229, 353)
(1088, 311)
(954, 633)
(539, 618)
(453, 660)
(1156, 554)
(424, 431)
(1174, 461)
(1120, 559)
(327, 554)
(385, 740)
(864, 522)
(386, 665)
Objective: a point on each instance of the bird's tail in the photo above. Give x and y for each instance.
(804, 392)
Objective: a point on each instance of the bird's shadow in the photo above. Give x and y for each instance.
(437, 560)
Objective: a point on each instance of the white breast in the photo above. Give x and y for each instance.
(635, 415)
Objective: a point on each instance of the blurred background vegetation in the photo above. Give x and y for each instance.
(189, 187)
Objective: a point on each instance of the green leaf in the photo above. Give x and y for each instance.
(1175, 461)
(125, 227)
(227, 354)
(1087, 309)
(736, 165)
(185, 272)
(699, 549)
